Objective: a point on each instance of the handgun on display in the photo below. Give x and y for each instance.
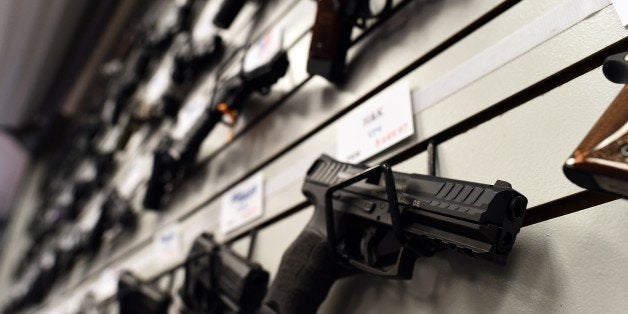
(600, 162)
(377, 221)
(135, 296)
(218, 281)
(176, 153)
(331, 34)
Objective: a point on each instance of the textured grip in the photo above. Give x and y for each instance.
(305, 275)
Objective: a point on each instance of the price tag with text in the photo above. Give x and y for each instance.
(379, 123)
(168, 242)
(242, 204)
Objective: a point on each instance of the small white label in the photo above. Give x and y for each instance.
(262, 51)
(168, 242)
(621, 6)
(379, 123)
(242, 204)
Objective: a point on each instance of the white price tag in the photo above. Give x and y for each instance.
(621, 6)
(168, 242)
(262, 51)
(379, 123)
(242, 204)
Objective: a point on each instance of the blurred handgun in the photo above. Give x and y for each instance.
(174, 155)
(135, 296)
(331, 34)
(377, 221)
(228, 11)
(219, 281)
(600, 162)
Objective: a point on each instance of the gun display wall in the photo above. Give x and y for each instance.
(338, 156)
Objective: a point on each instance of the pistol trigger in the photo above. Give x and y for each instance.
(367, 247)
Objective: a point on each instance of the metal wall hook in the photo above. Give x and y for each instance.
(252, 243)
(431, 158)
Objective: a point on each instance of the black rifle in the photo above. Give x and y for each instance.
(219, 281)
(331, 34)
(173, 156)
(135, 296)
(377, 221)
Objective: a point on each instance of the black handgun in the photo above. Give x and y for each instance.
(36, 282)
(173, 156)
(377, 221)
(117, 216)
(155, 36)
(124, 84)
(228, 11)
(135, 296)
(219, 281)
(331, 34)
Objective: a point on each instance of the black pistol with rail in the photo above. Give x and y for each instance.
(174, 155)
(376, 221)
(219, 281)
(331, 34)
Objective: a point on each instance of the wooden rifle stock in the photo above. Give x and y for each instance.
(601, 161)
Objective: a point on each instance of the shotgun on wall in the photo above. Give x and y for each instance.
(600, 162)
(377, 221)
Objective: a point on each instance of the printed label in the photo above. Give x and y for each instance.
(379, 123)
(242, 204)
(168, 242)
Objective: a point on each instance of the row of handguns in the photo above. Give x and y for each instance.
(366, 219)
(178, 79)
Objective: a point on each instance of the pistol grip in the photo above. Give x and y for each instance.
(306, 273)
(331, 37)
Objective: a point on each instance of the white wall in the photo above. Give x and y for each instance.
(570, 264)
